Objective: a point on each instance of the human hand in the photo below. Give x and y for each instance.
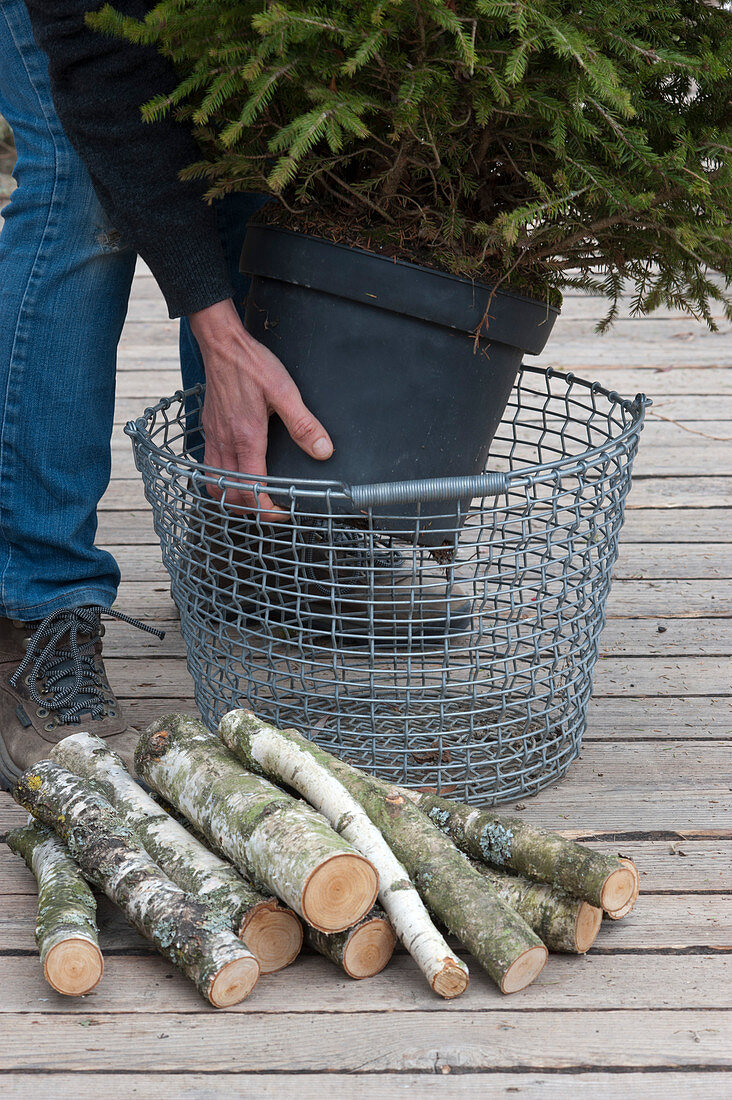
(245, 384)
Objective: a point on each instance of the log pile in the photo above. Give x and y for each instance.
(226, 884)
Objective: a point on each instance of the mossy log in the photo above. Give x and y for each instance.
(284, 756)
(453, 890)
(282, 844)
(271, 931)
(66, 929)
(607, 882)
(361, 951)
(110, 856)
(563, 923)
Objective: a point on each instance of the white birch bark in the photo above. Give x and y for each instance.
(183, 858)
(282, 844)
(66, 908)
(277, 755)
(182, 929)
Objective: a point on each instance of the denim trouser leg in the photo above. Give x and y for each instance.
(233, 214)
(64, 284)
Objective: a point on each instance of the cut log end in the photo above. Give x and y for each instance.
(451, 982)
(273, 935)
(339, 892)
(73, 967)
(234, 982)
(630, 898)
(524, 969)
(587, 925)
(618, 888)
(369, 949)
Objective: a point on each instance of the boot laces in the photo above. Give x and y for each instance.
(66, 678)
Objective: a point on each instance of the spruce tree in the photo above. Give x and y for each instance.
(533, 143)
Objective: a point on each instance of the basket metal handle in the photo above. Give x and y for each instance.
(426, 490)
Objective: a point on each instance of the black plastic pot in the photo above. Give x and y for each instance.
(384, 353)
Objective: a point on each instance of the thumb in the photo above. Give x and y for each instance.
(304, 428)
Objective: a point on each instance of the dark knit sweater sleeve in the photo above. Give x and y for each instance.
(98, 85)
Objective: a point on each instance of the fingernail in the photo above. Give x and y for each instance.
(322, 448)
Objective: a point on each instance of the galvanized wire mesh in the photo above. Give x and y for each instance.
(464, 668)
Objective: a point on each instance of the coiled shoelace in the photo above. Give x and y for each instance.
(65, 678)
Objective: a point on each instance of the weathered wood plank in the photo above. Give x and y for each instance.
(642, 525)
(658, 600)
(625, 719)
(665, 450)
(636, 562)
(650, 492)
(621, 676)
(594, 982)
(659, 718)
(574, 344)
(151, 373)
(620, 638)
(674, 676)
(684, 1085)
(679, 409)
(413, 1041)
(696, 718)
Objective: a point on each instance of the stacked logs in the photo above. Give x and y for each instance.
(226, 883)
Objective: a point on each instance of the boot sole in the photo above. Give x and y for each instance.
(9, 772)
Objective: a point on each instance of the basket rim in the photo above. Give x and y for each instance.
(138, 432)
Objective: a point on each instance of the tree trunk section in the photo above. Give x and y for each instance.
(66, 929)
(563, 923)
(607, 882)
(453, 890)
(361, 951)
(271, 932)
(182, 929)
(285, 757)
(282, 844)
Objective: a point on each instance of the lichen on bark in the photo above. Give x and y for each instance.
(66, 906)
(109, 855)
(510, 842)
(452, 889)
(276, 840)
(183, 858)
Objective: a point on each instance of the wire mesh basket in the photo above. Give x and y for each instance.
(465, 668)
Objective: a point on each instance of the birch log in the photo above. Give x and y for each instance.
(605, 881)
(66, 929)
(182, 929)
(453, 890)
(361, 951)
(271, 932)
(282, 844)
(284, 757)
(563, 923)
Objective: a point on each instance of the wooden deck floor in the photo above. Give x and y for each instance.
(644, 1014)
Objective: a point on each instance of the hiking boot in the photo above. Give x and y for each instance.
(52, 677)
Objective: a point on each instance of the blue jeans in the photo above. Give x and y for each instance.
(65, 279)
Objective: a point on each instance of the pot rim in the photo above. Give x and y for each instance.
(489, 288)
(417, 293)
